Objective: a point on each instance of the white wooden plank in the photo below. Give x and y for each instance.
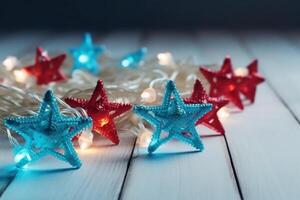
(174, 172)
(101, 175)
(15, 44)
(264, 139)
(280, 60)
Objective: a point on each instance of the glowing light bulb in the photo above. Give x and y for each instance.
(103, 121)
(21, 75)
(223, 113)
(165, 59)
(10, 62)
(134, 59)
(241, 72)
(22, 157)
(149, 95)
(85, 140)
(144, 138)
(125, 63)
(83, 58)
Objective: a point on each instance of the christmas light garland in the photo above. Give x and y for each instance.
(123, 82)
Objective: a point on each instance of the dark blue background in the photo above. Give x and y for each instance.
(148, 14)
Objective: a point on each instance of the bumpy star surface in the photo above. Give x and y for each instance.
(101, 111)
(46, 69)
(224, 83)
(49, 132)
(174, 117)
(85, 56)
(249, 82)
(210, 119)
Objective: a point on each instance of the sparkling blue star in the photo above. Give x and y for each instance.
(47, 132)
(85, 56)
(133, 60)
(175, 118)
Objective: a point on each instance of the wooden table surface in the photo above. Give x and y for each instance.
(258, 158)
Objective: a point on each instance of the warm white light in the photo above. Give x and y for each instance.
(20, 76)
(10, 62)
(83, 58)
(85, 140)
(241, 71)
(223, 113)
(165, 59)
(148, 95)
(144, 138)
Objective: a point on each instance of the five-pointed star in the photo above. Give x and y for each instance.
(46, 69)
(249, 82)
(210, 119)
(133, 60)
(101, 111)
(224, 83)
(49, 132)
(174, 117)
(85, 56)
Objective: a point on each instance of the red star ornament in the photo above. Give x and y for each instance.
(210, 119)
(249, 82)
(101, 111)
(46, 69)
(224, 83)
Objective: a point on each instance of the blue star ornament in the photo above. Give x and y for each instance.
(85, 56)
(47, 132)
(133, 60)
(175, 118)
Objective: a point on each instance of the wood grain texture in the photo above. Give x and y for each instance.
(280, 60)
(176, 171)
(13, 45)
(104, 166)
(264, 139)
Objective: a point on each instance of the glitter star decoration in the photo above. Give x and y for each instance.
(210, 119)
(224, 83)
(85, 57)
(134, 59)
(249, 82)
(174, 117)
(47, 132)
(46, 69)
(101, 111)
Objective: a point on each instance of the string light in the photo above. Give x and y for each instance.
(85, 140)
(152, 77)
(149, 95)
(223, 113)
(21, 75)
(21, 157)
(10, 62)
(144, 138)
(165, 59)
(241, 72)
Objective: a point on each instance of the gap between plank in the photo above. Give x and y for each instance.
(233, 169)
(250, 53)
(127, 170)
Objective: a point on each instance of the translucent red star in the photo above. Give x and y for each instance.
(101, 111)
(210, 119)
(224, 83)
(46, 69)
(249, 82)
